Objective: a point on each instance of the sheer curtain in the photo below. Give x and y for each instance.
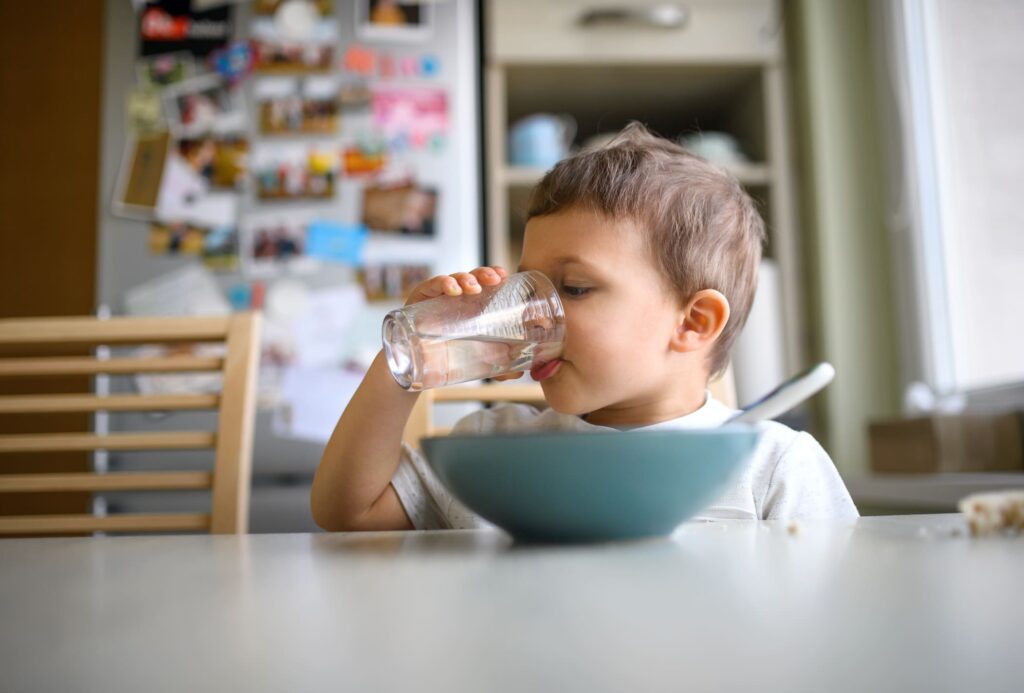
(953, 72)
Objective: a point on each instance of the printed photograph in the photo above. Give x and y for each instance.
(406, 209)
(216, 247)
(390, 282)
(393, 20)
(292, 58)
(204, 105)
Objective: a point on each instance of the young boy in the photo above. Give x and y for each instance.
(655, 255)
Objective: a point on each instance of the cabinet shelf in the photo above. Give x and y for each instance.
(707, 81)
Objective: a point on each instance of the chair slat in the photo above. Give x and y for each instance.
(119, 481)
(55, 524)
(38, 404)
(86, 365)
(88, 330)
(54, 442)
(236, 424)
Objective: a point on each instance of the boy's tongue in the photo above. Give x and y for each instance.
(545, 370)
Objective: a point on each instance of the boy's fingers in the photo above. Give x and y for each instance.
(487, 276)
(509, 376)
(436, 286)
(458, 283)
(468, 282)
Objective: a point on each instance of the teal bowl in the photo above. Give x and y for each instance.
(584, 487)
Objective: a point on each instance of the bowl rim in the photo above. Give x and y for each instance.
(730, 430)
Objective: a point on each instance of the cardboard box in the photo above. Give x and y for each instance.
(948, 443)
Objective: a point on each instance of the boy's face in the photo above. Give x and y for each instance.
(620, 318)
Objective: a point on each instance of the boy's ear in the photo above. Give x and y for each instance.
(701, 321)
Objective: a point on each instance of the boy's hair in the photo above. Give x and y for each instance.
(702, 228)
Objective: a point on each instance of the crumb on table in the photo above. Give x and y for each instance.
(995, 512)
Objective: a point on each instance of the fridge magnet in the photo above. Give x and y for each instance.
(390, 282)
(405, 208)
(233, 63)
(217, 247)
(240, 296)
(168, 26)
(359, 161)
(430, 66)
(386, 66)
(336, 241)
(161, 71)
(359, 60)
(139, 180)
(144, 111)
(410, 116)
(203, 105)
(393, 20)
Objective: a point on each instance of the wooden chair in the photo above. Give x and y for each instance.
(421, 421)
(232, 441)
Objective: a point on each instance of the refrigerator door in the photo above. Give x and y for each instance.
(438, 61)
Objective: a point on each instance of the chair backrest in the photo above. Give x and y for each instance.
(231, 441)
(421, 421)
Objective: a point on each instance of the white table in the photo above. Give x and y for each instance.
(896, 603)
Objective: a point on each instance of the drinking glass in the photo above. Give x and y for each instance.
(513, 326)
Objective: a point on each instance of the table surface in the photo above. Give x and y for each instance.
(888, 603)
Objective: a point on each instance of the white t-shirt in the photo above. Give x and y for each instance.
(789, 476)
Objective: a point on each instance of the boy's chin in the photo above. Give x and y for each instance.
(562, 402)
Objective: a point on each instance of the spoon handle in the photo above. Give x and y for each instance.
(787, 395)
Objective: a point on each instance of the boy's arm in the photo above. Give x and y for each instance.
(352, 487)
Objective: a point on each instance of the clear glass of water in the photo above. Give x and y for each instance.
(509, 327)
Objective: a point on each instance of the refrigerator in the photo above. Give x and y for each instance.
(393, 106)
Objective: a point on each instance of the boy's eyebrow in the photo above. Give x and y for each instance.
(566, 260)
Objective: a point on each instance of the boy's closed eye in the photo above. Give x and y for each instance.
(575, 291)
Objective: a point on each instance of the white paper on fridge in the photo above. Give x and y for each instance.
(321, 330)
(312, 400)
(191, 290)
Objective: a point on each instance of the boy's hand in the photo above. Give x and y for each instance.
(457, 284)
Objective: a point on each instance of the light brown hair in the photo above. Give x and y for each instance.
(701, 226)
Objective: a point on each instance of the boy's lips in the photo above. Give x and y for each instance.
(545, 370)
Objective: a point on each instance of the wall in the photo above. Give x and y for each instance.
(847, 249)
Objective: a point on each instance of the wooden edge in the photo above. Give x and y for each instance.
(39, 404)
(59, 524)
(120, 330)
(60, 442)
(120, 481)
(236, 421)
(87, 365)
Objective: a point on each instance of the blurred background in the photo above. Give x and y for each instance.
(315, 159)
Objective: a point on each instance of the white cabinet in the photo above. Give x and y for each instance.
(721, 69)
